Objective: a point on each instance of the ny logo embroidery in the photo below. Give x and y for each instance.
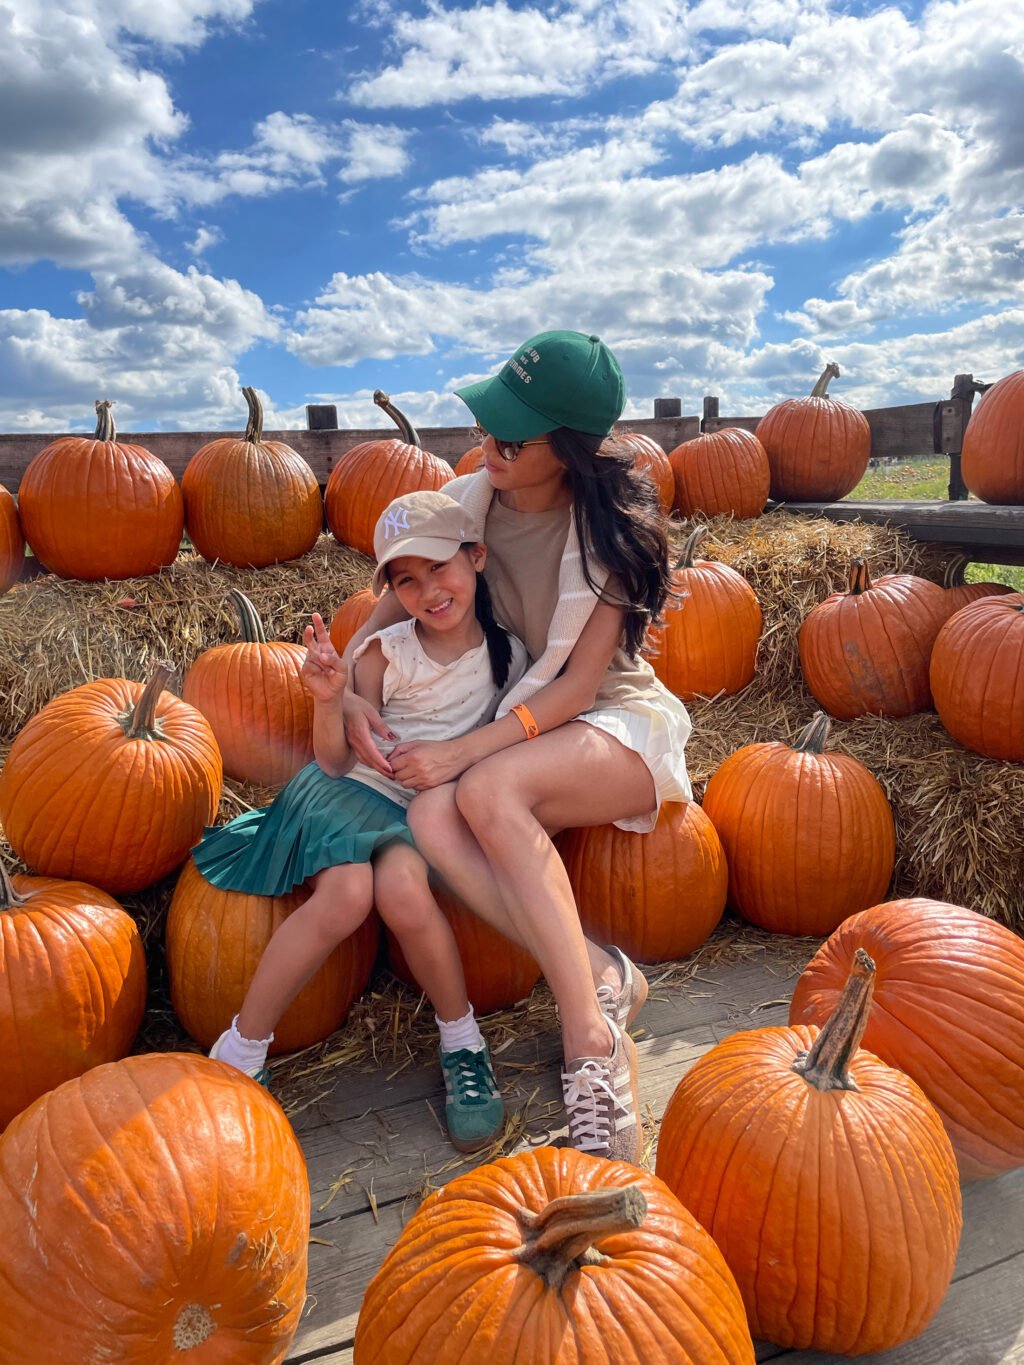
(395, 522)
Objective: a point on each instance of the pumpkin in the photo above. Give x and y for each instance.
(809, 836)
(470, 462)
(251, 502)
(552, 1257)
(708, 644)
(95, 507)
(817, 447)
(498, 972)
(866, 651)
(155, 1208)
(72, 985)
(658, 896)
(374, 473)
(215, 940)
(12, 542)
(976, 670)
(959, 593)
(253, 695)
(650, 459)
(949, 1011)
(824, 1175)
(111, 783)
(351, 616)
(722, 473)
(992, 459)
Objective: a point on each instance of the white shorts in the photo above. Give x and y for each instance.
(657, 730)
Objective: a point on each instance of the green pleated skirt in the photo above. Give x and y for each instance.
(314, 822)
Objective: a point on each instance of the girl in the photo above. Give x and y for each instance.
(342, 825)
(578, 567)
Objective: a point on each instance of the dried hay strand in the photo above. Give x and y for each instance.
(58, 633)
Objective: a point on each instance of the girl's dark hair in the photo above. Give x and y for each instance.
(619, 517)
(499, 646)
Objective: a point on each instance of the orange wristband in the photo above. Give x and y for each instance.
(524, 716)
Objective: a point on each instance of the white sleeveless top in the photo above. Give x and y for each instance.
(424, 699)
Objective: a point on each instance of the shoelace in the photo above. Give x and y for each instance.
(471, 1077)
(587, 1094)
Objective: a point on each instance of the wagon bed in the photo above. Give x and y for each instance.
(374, 1146)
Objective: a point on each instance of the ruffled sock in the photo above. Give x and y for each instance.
(460, 1033)
(247, 1054)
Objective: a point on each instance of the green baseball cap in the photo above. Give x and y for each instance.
(556, 379)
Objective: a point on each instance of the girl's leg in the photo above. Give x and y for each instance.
(342, 898)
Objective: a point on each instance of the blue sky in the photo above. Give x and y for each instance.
(322, 199)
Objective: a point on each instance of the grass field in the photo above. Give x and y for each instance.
(927, 480)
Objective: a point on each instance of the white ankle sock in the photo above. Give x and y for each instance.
(459, 1033)
(247, 1054)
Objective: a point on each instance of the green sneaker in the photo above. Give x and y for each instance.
(473, 1108)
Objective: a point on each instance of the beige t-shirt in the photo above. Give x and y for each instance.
(524, 551)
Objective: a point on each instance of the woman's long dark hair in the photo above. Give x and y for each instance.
(618, 517)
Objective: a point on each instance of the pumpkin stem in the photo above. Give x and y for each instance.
(560, 1239)
(250, 625)
(409, 433)
(814, 736)
(105, 429)
(831, 371)
(685, 560)
(140, 722)
(254, 426)
(953, 576)
(9, 898)
(860, 577)
(827, 1065)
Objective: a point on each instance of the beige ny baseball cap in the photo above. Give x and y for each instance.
(428, 524)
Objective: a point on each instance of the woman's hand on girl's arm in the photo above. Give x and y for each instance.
(425, 763)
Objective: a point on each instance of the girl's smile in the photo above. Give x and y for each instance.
(441, 596)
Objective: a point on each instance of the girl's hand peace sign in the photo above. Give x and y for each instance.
(323, 670)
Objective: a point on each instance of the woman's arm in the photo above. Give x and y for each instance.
(423, 764)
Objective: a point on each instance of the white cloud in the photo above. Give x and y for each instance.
(205, 238)
(373, 151)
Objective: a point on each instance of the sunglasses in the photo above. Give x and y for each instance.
(507, 450)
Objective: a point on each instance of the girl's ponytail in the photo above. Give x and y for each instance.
(499, 646)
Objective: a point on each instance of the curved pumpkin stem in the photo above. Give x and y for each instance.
(250, 625)
(827, 1065)
(141, 722)
(105, 429)
(860, 577)
(254, 426)
(9, 898)
(830, 372)
(409, 433)
(561, 1238)
(685, 560)
(814, 736)
(953, 575)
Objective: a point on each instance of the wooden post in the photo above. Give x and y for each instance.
(709, 422)
(668, 407)
(321, 417)
(964, 389)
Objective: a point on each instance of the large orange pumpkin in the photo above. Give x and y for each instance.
(95, 507)
(657, 896)
(72, 985)
(977, 667)
(553, 1257)
(808, 836)
(825, 1177)
(154, 1209)
(111, 784)
(992, 461)
(215, 940)
(949, 1011)
(865, 651)
(498, 972)
(374, 473)
(723, 473)
(818, 447)
(708, 645)
(12, 542)
(650, 459)
(253, 695)
(251, 502)
(960, 593)
(470, 462)
(353, 614)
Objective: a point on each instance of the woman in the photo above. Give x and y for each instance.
(578, 569)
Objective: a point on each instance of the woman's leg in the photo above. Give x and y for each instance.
(342, 898)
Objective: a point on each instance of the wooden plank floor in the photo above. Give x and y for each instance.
(374, 1146)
